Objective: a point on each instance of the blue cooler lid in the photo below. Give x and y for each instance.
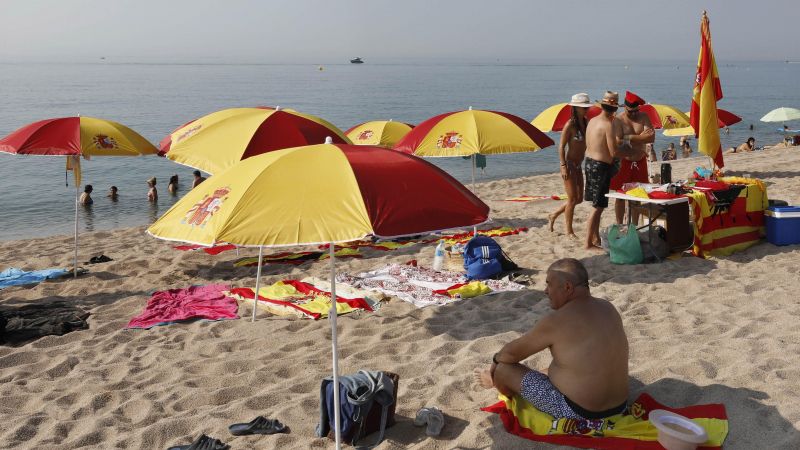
(789, 212)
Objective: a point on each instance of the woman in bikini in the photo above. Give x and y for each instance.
(573, 137)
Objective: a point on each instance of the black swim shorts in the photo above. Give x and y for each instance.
(598, 179)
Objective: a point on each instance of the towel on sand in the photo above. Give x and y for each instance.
(419, 285)
(15, 277)
(628, 431)
(215, 250)
(298, 298)
(24, 323)
(195, 302)
(530, 198)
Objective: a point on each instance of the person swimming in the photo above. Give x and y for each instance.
(86, 197)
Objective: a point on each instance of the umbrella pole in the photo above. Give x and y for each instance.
(332, 315)
(258, 279)
(475, 228)
(75, 260)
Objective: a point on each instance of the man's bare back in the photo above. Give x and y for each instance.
(601, 138)
(587, 341)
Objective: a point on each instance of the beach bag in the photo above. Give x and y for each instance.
(358, 420)
(484, 258)
(624, 248)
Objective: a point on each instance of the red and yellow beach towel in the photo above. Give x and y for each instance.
(531, 198)
(296, 258)
(296, 298)
(629, 431)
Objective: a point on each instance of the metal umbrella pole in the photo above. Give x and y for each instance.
(258, 279)
(75, 259)
(332, 315)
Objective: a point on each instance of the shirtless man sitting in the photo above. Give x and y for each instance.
(638, 131)
(604, 143)
(588, 377)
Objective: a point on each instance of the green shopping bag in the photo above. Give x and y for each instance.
(624, 248)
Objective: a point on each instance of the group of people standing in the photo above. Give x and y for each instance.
(152, 192)
(614, 149)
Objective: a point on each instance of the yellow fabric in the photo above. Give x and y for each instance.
(315, 304)
(545, 120)
(637, 192)
(756, 200)
(218, 140)
(341, 252)
(261, 201)
(74, 164)
(623, 426)
(685, 131)
(101, 137)
(474, 131)
(379, 132)
(469, 290)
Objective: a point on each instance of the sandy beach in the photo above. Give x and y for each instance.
(700, 331)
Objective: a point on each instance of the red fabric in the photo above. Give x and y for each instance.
(661, 195)
(565, 114)
(397, 204)
(216, 250)
(49, 137)
(648, 403)
(196, 302)
(630, 174)
(306, 289)
(705, 70)
(284, 130)
(727, 118)
(633, 99)
(652, 114)
(712, 184)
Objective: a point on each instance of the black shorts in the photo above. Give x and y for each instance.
(598, 179)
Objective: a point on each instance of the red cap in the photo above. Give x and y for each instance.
(632, 100)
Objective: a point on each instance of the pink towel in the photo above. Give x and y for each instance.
(196, 302)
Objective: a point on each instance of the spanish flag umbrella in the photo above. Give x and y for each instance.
(378, 132)
(725, 118)
(74, 137)
(661, 116)
(219, 140)
(320, 194)
(467, 133)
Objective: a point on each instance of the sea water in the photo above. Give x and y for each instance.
(153, 99)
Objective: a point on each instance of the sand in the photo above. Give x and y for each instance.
(700, 331)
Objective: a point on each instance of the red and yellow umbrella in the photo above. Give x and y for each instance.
(466, 133)
(74, 137)
(725, 118)
(378, 132)
(218, 140)
(661, 116)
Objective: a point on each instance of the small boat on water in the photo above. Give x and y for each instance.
(357, 61)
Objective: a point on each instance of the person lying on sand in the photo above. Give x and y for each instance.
(588, 377)
(747, 146)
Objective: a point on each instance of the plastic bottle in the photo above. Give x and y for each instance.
(438, 257)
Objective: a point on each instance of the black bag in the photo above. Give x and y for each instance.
(666, 173)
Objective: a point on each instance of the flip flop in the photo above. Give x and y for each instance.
(259, 425)
(99, 259)
(431, 416)
(203, 443)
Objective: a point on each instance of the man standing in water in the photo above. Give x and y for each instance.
(588, 377)
(637, 130)
(603, 138)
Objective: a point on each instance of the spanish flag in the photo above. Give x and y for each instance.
(707, 91)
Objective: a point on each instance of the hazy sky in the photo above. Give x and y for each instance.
(271, 31)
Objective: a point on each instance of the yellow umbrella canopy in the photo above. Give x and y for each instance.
(219, 140)
(378, 132)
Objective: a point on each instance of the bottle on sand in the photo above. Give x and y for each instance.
(438, 257)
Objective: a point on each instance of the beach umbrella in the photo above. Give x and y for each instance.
(782, 115)
(74, 137)
(471, 132)
(725, 118)
(320, 194)
(661, 116)
(378, 132)
(218, 140)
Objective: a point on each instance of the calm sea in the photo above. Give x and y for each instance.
(153, 99)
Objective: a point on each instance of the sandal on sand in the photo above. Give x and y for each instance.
(203, 443)
(433, 417)
(259, 425)
(99, 259)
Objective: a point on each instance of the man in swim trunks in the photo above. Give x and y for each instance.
(604, 139)
(638, 131)
(588, 377)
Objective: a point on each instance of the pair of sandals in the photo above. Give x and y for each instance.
(99, 259)
(259, 425)
(433, 418)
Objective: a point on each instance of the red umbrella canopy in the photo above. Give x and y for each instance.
(727, 118)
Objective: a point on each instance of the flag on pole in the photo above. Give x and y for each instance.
(74, 164)
(707, 91)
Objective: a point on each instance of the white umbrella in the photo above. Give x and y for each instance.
(782, 114)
